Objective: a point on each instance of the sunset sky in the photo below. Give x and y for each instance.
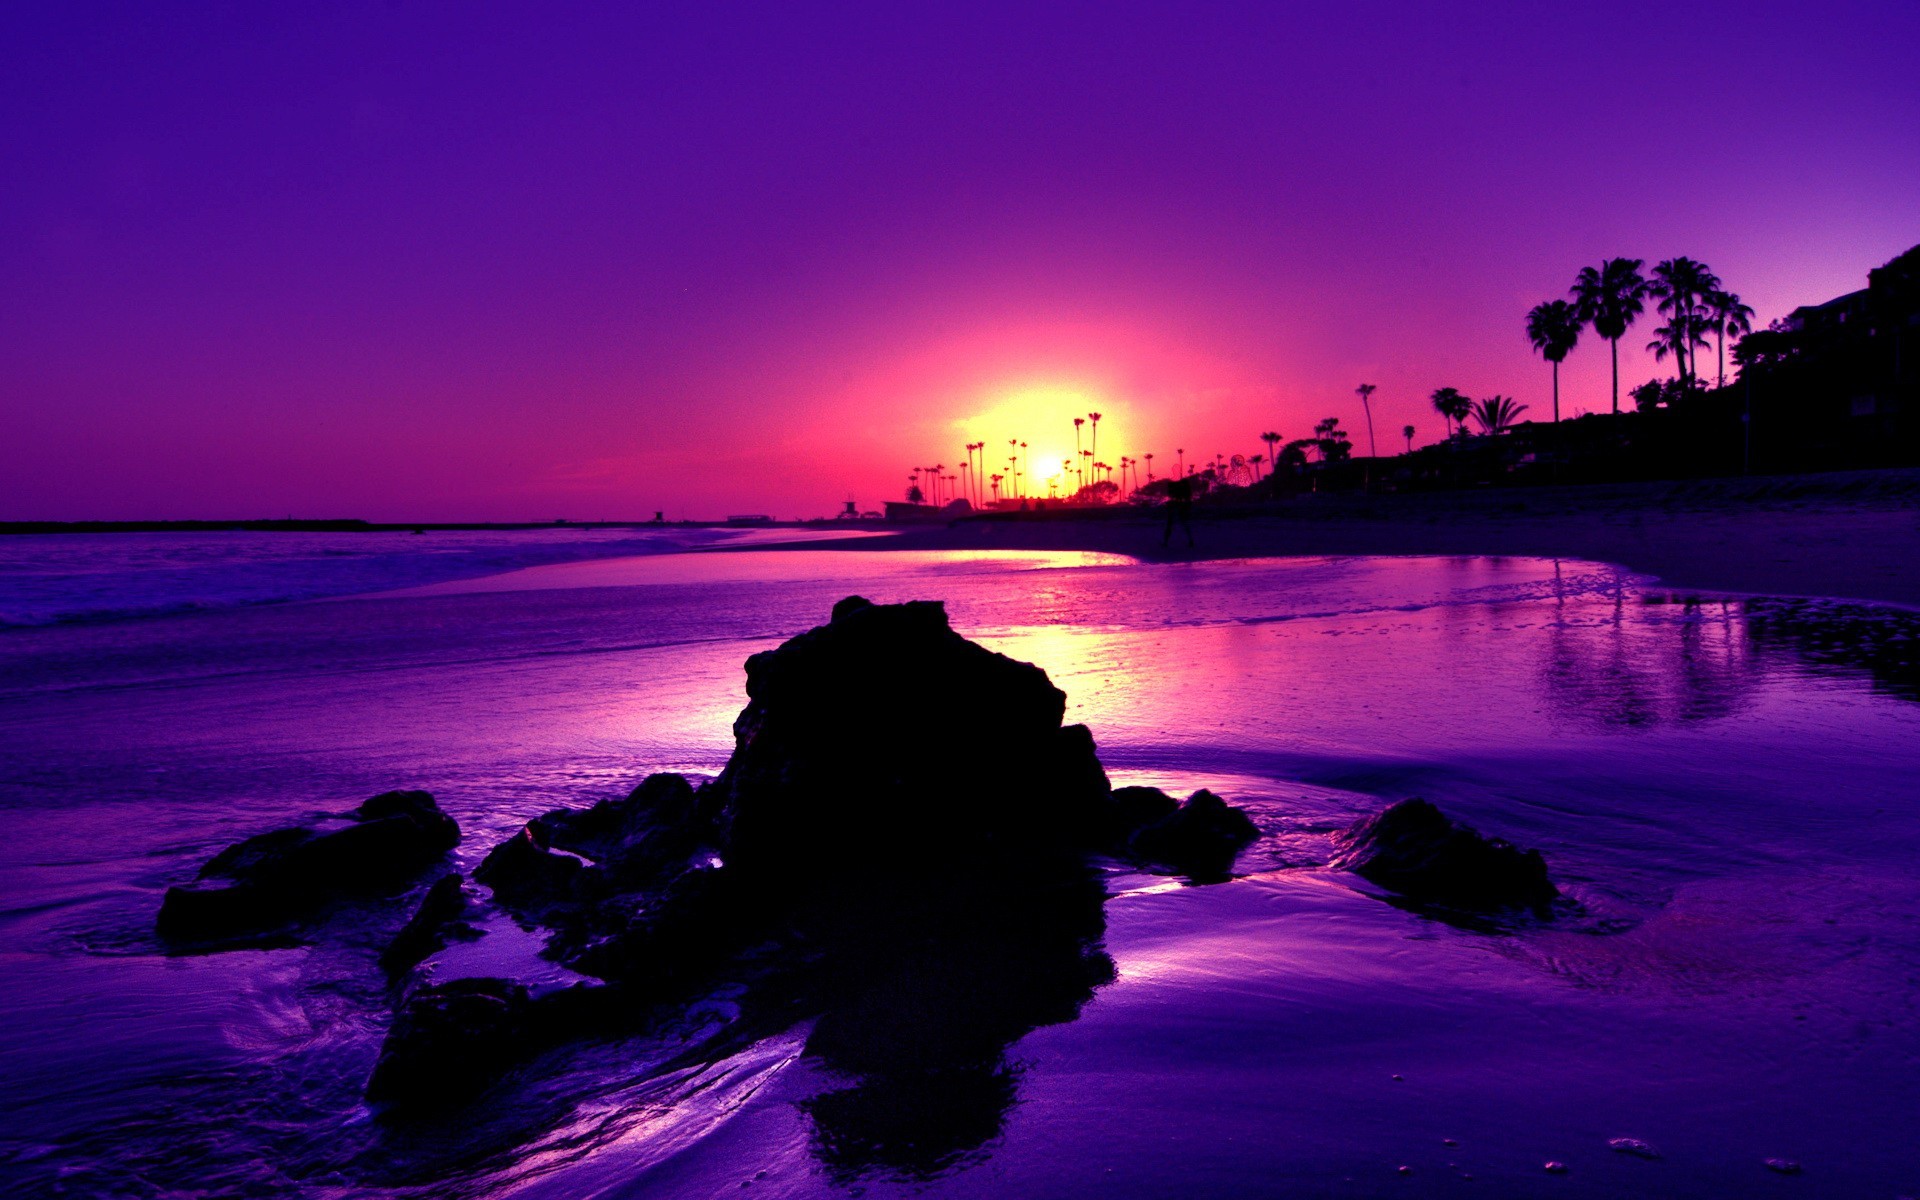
(421, 261)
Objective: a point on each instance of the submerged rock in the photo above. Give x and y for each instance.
(262, 883)
(1414, 850)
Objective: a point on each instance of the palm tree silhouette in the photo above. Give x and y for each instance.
(1180, 462)
(996, 487)
(1497, 413)
(1149, 459)
(1364, 391)
(1272, 440)
(1407, 433)
(1681, 285)
(1095, 445)
(1729, 316)
(1610, 298)
(1453, 406)
(1077, 423)
(1553, 328)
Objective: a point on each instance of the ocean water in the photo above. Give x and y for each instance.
(1725, 788)
(53, 578)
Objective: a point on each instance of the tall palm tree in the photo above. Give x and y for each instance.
(1179, 463)
(1496, 414)
(1681, 285)
(1553, 328)
(1272, 440)
(1407, 433)
(1729, 316)
(1077, 423)
(1149, 459)
(1610, 298)
(1452, 405)
(1364, 391)
(1095, 444)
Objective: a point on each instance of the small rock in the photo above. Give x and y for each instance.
(1449, 1141)
(1200, 838)
(426, 931)
(1406, 1170)
(264, 882)
(1632, 1146)
(1555, 1168)
(1784, 1166)
(1416, 851)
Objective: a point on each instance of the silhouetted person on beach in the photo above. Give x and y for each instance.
(1179, 508)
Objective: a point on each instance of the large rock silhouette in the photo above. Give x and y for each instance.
(904, 813)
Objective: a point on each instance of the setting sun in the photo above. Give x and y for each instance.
(1042, 416)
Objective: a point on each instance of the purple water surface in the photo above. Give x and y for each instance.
(1724, 786)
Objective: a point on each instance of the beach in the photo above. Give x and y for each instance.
(1844, 534)
(1728, 984)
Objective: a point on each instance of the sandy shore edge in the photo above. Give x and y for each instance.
(1846, 535)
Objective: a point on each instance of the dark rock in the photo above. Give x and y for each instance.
(526, 873)
(1414, 850)
(835, 771)
(428, 929)
(1134, 808)
(917, 882)
(1201, 837)
(262, 883)
(451, 1040)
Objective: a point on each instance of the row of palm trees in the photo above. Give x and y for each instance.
(1612, 296)
(1494, 414)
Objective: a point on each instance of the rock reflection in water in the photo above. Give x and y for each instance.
(920, 1028)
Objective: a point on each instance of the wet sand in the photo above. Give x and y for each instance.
(1847, 535)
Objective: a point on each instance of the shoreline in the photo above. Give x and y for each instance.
(1845, 535)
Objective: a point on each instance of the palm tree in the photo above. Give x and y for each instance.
(1497, 413)
(1179, 463)
(1077, 423)
(1553, 328)
(1678, 336)
(1407, 433)
(1610, 298)
(1149, 459)
(1452, 405)
(1729, 316)
(996, 487)
(1272, 440)
(1095, 445)
(1364, 391)
(1682, 285)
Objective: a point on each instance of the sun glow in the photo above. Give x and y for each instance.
(1035, 423)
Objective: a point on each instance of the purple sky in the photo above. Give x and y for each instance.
(418, 261)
